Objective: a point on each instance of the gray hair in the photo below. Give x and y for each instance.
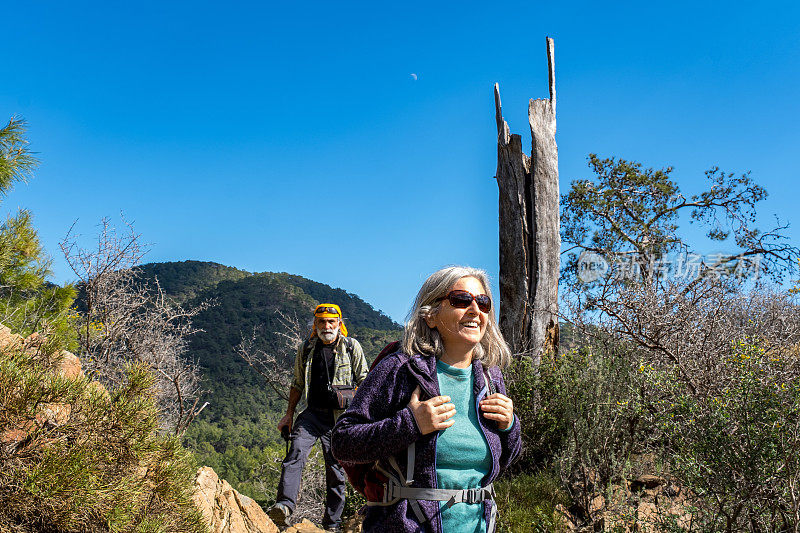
(418, 338)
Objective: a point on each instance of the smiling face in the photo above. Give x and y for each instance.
(461, 329)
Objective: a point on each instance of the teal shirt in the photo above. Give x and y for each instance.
(463, 457)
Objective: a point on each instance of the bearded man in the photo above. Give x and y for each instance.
(327, 368)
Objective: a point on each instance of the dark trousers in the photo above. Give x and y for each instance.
(311, 425)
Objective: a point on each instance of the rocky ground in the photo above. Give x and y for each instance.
(646, 503)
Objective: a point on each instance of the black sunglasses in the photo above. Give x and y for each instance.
(463, 299)
(326, 310)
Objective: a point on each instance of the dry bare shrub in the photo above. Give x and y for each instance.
(123, 321)
(690, 325)
(271, 365)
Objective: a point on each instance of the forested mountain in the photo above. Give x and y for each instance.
(183, 280)
(233, 433)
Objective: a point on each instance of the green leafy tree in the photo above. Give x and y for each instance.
(630, 215)
(708, 361)
(27, 302)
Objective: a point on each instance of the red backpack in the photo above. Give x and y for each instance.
(363, 477)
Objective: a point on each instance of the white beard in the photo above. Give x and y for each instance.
(327, 335)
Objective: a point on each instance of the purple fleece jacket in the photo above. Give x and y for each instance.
(379, 424)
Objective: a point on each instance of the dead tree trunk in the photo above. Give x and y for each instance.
(530, 240)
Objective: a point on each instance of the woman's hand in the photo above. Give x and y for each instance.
(432, 415)
(499, 407)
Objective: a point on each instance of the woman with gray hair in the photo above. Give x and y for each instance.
(433, 418)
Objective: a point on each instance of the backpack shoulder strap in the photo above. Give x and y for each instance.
(306, 350)
(350, 348)
(489, 382)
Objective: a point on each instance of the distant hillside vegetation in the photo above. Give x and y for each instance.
(239, 423)
(183, 280)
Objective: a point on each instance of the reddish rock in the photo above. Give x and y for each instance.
(9, 340)
(17, 436)
(69, 365)
(683, 517)
(12, 436)
(647, 481)
(53, 414)
(647, 517)
(596, 504)
(225, 510)
(305, 526)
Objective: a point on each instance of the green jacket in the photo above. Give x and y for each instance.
(351, 368)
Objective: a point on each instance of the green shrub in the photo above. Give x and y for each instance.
(601, 416)
(585, 417)
(736, 443)
(353, 502)
(584, 410)
(526, 503)
(101, 468)
(28, 303)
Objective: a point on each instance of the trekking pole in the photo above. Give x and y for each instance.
(285, 435)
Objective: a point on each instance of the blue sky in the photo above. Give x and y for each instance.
(293, 137)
